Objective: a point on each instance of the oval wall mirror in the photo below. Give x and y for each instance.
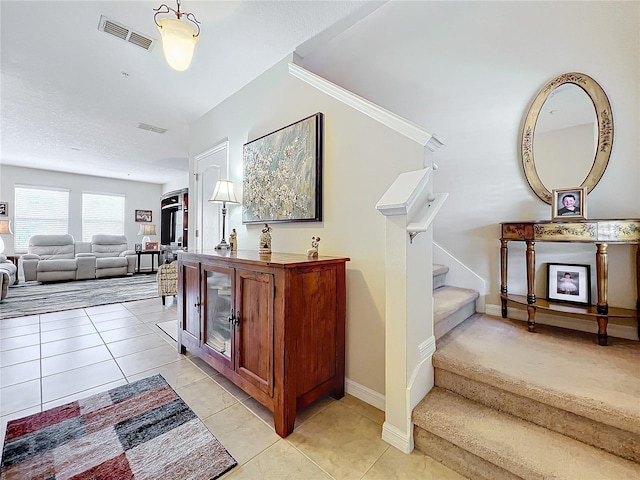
(567, 135)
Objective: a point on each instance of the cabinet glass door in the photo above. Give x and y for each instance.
(218, 304)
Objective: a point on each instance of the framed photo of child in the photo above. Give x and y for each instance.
(569, 204)
(569, 283)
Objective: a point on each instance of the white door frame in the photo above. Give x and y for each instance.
(201, 165)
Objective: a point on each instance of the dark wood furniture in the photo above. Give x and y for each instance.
(174, 219)
(14, 258)
(598, 232)
(274, 325)
(148, 252)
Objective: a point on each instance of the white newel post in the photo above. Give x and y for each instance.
(410, 343)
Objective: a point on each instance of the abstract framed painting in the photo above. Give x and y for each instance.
(282, 174)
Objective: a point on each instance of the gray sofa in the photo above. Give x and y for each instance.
(8, 275)
(113, 257)
(54, 258)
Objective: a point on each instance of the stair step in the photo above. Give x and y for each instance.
(564, 369)
(451, 306)
(439, 275)
(498, 445)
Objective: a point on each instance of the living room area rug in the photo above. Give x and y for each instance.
(33, 298)
(142, 430)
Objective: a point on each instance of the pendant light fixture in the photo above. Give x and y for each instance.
(179, 38)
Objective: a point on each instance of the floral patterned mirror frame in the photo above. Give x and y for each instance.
(605, 132)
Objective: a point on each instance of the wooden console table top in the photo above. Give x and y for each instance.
(588, 231)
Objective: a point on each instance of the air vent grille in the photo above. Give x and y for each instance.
(124, 33)
(151, 128)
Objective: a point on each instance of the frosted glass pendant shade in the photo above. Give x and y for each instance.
(178, 42)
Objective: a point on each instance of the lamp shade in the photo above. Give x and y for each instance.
(223, 192)
(147, 229)
(5, 227)
(178, 42)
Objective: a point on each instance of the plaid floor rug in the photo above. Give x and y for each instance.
(34, 298)
(142, 430)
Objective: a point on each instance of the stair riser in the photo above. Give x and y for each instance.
(439, 280)
(458, 459)
(614, 440)
(443, 326)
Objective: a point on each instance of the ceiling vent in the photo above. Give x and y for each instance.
(125, 33)
(151, 128)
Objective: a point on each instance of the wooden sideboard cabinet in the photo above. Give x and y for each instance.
(274, 325)
(599, 232)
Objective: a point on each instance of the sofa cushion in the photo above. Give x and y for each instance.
(52, 246)
(58, 265)
(108, 245)
(110, 262)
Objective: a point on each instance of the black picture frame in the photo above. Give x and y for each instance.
(145, 216)
(4, 209)
(282, 174)
(569, 283)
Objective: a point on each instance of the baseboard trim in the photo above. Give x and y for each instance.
(396, 438)
(365, 394)
(628, 332)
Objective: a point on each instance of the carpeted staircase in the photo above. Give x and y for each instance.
(512, 404)
(451, 305)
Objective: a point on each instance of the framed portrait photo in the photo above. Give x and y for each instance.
(4, 209)
(144, 216)
(569, 283)
(151, 246)
(569, 204)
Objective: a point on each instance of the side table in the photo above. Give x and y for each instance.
(14, 258)
(148, 252)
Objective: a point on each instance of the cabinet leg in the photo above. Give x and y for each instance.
(283, 423)
(504, 307)
(602, 331)
(531, 318)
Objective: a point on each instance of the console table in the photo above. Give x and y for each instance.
(598, 232)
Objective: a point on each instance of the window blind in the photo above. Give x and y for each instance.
(102, 213)
(39, 210)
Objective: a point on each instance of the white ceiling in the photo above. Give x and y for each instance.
(72, 97)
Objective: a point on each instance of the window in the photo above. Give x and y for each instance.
(102, 213)
(39, 211)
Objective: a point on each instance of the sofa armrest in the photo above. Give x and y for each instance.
(132, 258)
(30, 266)
(86, 266)
(4, 284)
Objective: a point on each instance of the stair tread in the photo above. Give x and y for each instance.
(439, 269)
(518, 446)
(447, 300)
(562, 368)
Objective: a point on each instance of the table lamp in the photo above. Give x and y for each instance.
(223, 193)
(5, 229)
(147, 229)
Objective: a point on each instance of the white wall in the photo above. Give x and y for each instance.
(468, 71)
(138, 196)
(361, 159)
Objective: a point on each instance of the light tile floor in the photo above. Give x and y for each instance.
(47, 360)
